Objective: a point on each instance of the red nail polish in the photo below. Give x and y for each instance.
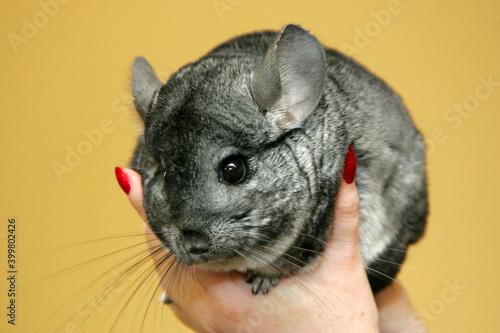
(123, 180)
(350, 166)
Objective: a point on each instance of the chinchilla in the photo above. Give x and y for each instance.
(243, 153)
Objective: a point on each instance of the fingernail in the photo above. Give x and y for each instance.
(123, 180)
(350, 166)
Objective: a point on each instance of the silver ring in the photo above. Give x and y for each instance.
(165, 299)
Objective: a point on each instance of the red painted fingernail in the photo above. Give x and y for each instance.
(350, 166)
(123, 180)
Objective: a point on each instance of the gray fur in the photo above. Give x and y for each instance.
(241, 99)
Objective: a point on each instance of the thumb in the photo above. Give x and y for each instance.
(345, 236)
(131, 183)
(343, 246)
(346, 210)
(342, 249)
(346, 215)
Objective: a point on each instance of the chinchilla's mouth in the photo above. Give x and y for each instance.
(225, 265)
(215, 260)
(193, 260)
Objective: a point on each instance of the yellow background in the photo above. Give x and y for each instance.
(70, 76)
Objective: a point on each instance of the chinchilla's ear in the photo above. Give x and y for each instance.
(145, 83)
(288, 83)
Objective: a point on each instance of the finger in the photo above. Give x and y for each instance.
(342, 252)
(346, 211)
(342, 249)
(136, 195)
(396, 313)
(346, 214)
(131, 183)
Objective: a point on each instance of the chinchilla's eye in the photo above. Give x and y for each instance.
(233, 169)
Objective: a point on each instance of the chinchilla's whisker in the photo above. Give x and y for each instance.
(185, 287)
(250, 254)
(270, 240)
(442, 260)
(417, 254)
(379, 275)
(326, 306)
(37, 255)
(308, 250)
(128, 275)
(139, 283)
(147, 275)
(154, 289)
(86, 262)
(273, 241)
(279, 256)
(172, 269)
(140, 258)
(337, 239)
(296, 233)
(303, 285)
(387, 262)
(175, 281)
(174, 274)
(179, 268)
(293, 265)
(372, 271)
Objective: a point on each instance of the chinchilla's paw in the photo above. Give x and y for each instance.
(261, 283)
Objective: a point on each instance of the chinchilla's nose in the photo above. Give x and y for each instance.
(195, 242)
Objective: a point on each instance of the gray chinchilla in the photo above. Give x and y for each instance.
(243, 153)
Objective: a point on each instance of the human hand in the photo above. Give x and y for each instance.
(336, 296)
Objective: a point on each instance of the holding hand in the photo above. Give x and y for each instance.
(335, 297)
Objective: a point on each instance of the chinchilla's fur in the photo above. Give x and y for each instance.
(286, 110)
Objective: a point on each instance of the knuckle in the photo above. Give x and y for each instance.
(347, 207)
